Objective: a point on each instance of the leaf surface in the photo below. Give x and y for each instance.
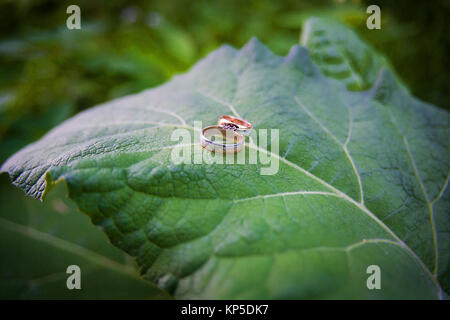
(362, 181)
(39, 241)
(341, 54)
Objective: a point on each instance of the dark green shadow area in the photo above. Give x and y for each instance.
(38, 241)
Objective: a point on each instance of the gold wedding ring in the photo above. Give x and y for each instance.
(227, 136)
(216, 139)
(237, 125)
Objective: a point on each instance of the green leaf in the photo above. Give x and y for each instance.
(340, 53)
(39, 241)
(362, 181)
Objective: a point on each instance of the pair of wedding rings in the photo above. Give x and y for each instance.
(228, 129)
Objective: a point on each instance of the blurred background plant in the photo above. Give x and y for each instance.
(50, 73)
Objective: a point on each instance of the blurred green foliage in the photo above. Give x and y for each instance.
(50, 73)
(38, 241)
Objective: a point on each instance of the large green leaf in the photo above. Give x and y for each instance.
(39, 241)
(362, 181)
(341, 54)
